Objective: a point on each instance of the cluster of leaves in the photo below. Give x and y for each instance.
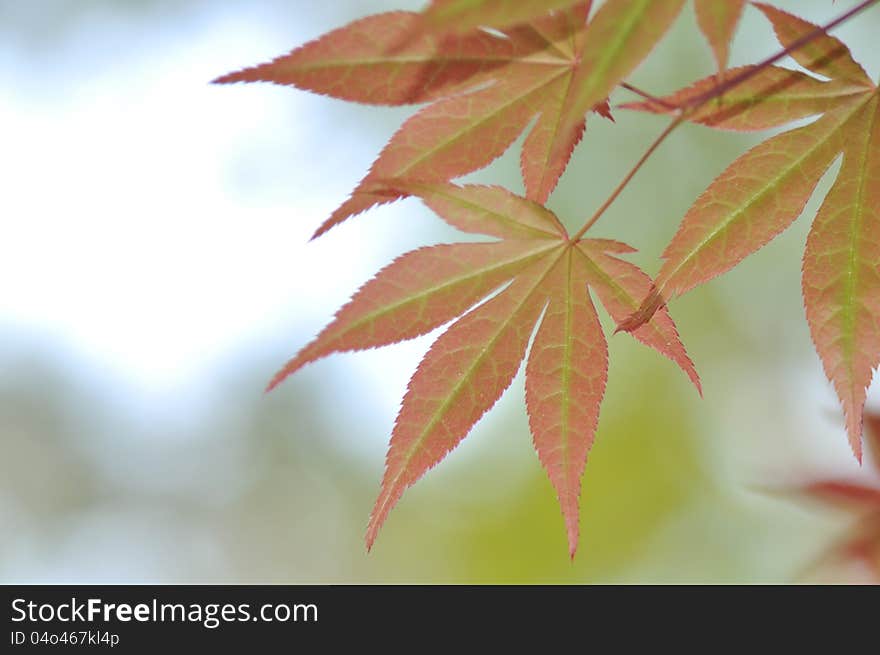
(486, 70)
(765, 190)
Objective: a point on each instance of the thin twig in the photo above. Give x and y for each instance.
(725, 86)
(635, 169)
(647, 96)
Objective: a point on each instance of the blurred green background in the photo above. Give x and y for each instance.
(155, 270)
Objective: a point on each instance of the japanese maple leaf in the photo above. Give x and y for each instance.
(543, 278)
(766, 189)
(861, 543)
(485, 87)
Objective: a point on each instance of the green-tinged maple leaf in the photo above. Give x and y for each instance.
(486, 87)
(620, 286)
(771, 97)
(377, 60)
(539, 272)
(565, 383)
(718, 20)
(826, 55)
(766, 189)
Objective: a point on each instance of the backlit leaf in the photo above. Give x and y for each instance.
(461, 134)
(772, 98)
(417, 293)
(621, 286)
(534, 269)
(548, 66)
(617, 39)
(565, 382)
(751, 202)
(462, 376)
(825, 55)
(489, 210)
(718, 20)
(841, 272)
(462, 15)
(765, 190)
(374, 61)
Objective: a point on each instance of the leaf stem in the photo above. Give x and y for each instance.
(647, 96)
(679, 119)
(696, 102)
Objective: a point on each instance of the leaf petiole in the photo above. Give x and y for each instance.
(678, 120)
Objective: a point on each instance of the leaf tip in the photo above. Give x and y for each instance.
(286, 371)
(571, 515)
(334, 220)
(604, 110)
(243, 75)
(372, 532)
(691, 371)
(573, 536)
(854, 416)
(223, 79)
(275, 381)
(855, 442)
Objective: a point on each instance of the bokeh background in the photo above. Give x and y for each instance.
(155, 270)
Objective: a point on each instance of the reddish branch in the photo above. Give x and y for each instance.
(695, 103)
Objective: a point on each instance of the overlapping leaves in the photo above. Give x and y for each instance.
(546, 65)
(485, 87)
(718, 21)
(766, 189)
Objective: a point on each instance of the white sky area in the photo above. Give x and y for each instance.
(152, 222)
